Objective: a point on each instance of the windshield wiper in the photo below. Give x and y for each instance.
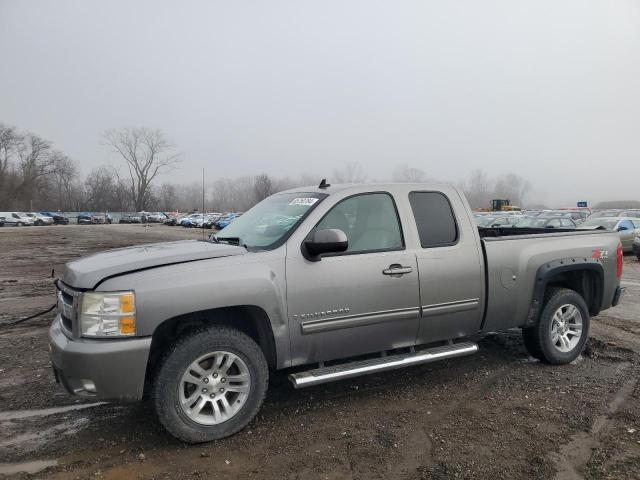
(230, 240)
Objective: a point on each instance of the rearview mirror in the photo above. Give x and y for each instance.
(331, 240)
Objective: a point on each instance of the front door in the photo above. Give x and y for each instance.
(360, 301)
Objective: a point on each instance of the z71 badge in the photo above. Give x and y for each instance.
(600, 254)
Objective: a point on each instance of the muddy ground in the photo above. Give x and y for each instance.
(498, 414)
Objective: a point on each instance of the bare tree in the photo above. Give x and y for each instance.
(512, 187)
(64, 175)
(9, 142)
(350, 172)
(479, 189)
(405, 173)
(262, 187)
(168, 197)
(147, 154)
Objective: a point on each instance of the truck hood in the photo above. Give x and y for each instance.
(87, 272)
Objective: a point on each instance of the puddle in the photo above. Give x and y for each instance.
(31, 441)
(20, 414)
(34, 466)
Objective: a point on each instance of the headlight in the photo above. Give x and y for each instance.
(111, 314)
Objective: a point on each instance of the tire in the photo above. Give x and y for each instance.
(170, 390)
(565, 311)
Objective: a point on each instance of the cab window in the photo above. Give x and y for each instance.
(370, 222)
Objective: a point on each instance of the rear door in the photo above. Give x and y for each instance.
(359, 301)
(450, 265)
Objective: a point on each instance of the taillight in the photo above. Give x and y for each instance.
(620, 257)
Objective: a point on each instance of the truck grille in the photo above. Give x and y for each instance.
(67, 305)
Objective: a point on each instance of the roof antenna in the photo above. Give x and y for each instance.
(324, 184)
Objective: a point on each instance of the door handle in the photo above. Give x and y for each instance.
(397, 269)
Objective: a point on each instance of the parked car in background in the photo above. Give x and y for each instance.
(130, 218)
(633, 213)
(152, 217)
(88, 218)
(578, 216)
(494, 222)
(225, 221)
(187, 221)
(58, 218)
(628, 228)
(84, 218)
(211, 220)
(39, 219)
(173, 218)
(16, 219)
(546, 221)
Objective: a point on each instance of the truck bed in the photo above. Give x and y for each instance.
(513, 257)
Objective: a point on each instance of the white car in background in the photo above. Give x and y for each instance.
(16, 219)
(627, 227)
(39, 219)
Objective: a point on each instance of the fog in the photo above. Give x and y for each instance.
(544, 89)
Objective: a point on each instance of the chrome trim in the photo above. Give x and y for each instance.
(399, 270)
(450, 307)
(66, 309)
(358, 320)
(363, 367)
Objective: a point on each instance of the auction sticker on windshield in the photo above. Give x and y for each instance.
(303, 201)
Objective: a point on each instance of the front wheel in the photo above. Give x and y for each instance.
(210, 385)
(563, 328)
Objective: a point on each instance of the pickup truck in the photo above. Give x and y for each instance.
(329, 282)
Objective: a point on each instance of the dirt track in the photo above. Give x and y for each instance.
(498, 414)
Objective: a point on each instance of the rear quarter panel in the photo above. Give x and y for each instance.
(513, 262)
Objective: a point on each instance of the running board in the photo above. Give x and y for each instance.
(381, 364)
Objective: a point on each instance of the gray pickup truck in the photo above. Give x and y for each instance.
(330, 282)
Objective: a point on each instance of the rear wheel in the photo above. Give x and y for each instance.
(563, 328)
(210, 385)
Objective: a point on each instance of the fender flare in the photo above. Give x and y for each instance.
(553, 268)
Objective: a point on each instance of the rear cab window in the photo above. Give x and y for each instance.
(434, 218)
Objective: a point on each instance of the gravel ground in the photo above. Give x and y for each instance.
(498, 414)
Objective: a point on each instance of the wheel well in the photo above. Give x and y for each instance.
(588, 283)
(249, 319)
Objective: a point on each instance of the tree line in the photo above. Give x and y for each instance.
(34, 175)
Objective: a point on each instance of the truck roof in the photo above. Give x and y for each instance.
(366, 187)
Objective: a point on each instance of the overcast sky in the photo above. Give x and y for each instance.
(549, 90)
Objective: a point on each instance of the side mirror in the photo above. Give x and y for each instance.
(331, 240)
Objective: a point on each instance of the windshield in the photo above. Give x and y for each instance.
(267, 224)
(608, 223)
